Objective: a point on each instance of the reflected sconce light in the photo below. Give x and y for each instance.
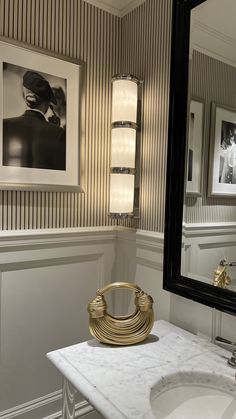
(123, 144)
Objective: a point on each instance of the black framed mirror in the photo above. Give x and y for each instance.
(176, 279)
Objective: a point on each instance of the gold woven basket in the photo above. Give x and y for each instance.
(122, 330)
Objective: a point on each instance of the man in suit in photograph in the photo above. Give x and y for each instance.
(30, 140)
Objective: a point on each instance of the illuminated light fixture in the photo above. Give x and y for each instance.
(124, 98)
(122, 193)
(123, 144)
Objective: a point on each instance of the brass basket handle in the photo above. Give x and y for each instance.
(115, 285)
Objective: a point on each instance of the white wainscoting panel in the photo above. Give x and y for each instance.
(47, 280)
(140, 260)
(48, 277)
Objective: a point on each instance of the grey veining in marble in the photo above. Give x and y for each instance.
(118, 381)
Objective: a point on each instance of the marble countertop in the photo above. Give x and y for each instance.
(118, 381)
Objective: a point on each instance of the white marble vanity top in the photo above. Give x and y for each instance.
(118, 381)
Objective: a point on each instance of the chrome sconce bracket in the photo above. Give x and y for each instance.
(120, 216)
(126, 76)
(123, 170)
(124, 124)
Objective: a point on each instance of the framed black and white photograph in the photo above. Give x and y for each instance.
(195, 140)
(39, 119)
(222, 176)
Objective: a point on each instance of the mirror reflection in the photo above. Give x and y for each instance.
(209, 213)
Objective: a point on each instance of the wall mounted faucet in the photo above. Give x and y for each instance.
(225, 342)
(221, 278)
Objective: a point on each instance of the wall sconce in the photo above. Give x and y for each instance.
(123, 144)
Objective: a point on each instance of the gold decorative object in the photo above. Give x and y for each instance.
(221, 277)
(121, 330)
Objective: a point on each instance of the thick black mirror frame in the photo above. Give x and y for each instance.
(221, 299)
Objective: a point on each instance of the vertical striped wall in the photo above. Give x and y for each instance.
(213, 81)
(146, 38)
(79, 30)
(138, 43)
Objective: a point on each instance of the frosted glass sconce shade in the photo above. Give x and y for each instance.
(121, 193)
(123, 145)
(124, 100)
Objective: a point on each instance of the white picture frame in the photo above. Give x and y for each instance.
(15, 58)
(222, 167)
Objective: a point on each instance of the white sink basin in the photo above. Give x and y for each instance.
(195, 396)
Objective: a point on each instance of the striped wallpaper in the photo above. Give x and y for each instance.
(213, 81)
(146, 45)
(138, 43)
(82, 31)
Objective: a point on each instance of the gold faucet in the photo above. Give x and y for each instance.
(221, 278)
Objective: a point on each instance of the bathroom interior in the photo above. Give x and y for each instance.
(59, 245)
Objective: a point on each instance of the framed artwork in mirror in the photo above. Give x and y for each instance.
(39, 119)
(195, 139)
(222, 168)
